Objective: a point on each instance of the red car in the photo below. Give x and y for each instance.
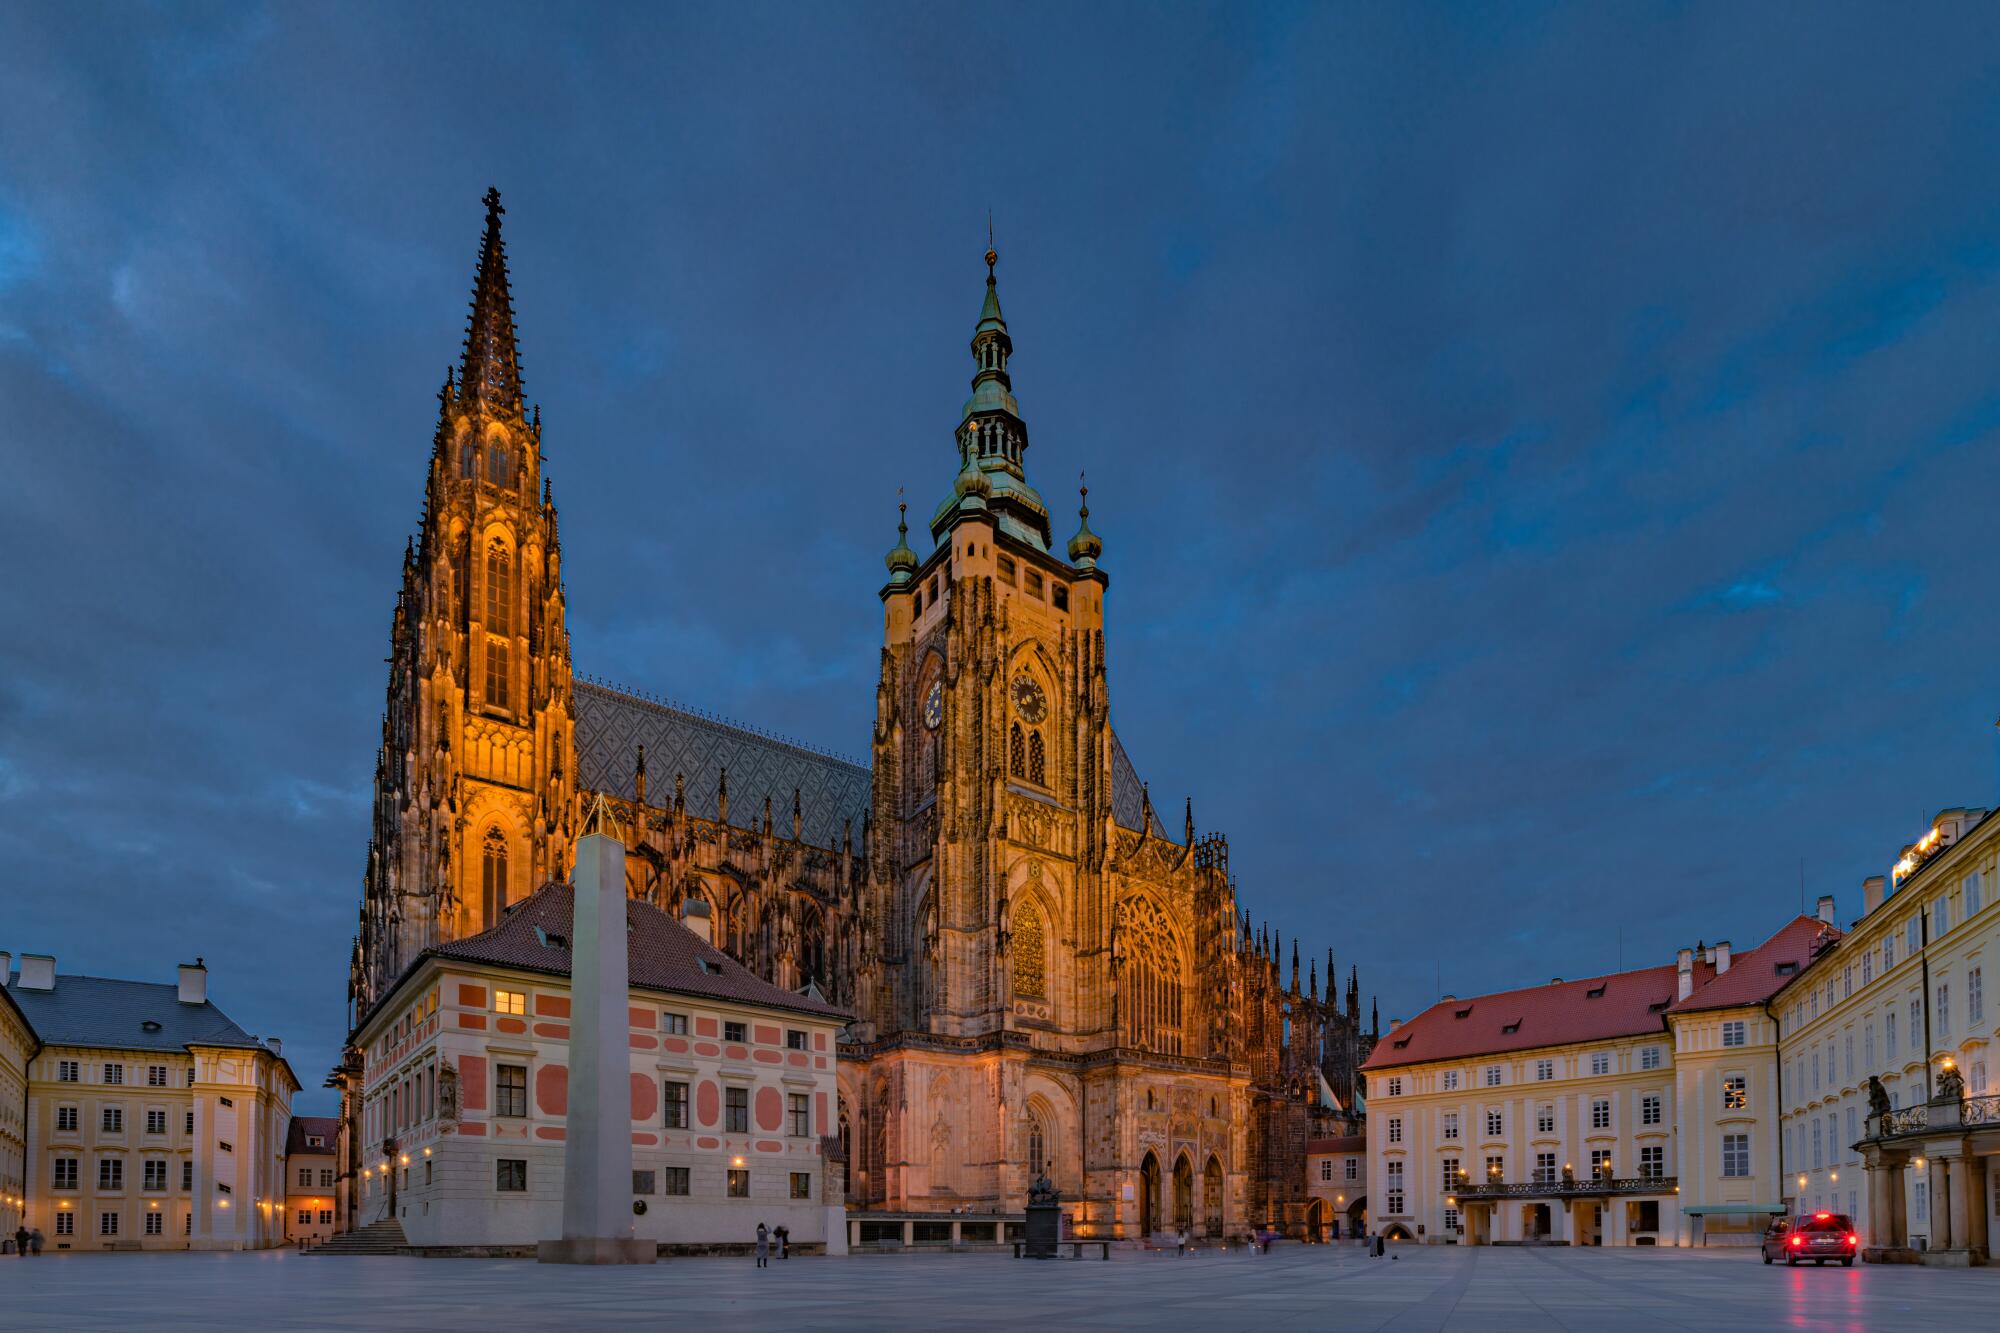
(1819, 1237)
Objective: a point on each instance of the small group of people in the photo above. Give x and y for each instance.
(27, 1242)
(766, 1237)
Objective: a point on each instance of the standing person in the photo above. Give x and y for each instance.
(763, 1245)
(1180, 1238)
(21, 1241)
(35, 1240)
(784, 1235)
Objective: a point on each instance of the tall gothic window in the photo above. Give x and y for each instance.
(1038, 1146)
(1030, 952)
(1038, 765)
(1150, 988)
(498, 467)
(499, 619)
(493, 877)
(1017, 751)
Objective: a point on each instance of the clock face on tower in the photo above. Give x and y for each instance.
(1029, 701)
(934, 705)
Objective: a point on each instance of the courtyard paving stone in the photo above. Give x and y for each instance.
(1300, 1287)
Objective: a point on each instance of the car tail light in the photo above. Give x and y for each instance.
(1853, 1239)
(1798, 1241)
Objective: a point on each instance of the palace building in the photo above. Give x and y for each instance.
(1043, 978)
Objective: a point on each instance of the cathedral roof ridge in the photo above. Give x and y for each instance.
(647, 699)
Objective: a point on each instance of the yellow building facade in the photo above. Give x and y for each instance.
(1892, 1113)
(18, 1044)
(153, 1121)
(311, 1172)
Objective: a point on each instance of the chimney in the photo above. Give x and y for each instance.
(277, 1046)
(194, 982)
(1684, 965)
(6, 969)
(694, 915)
(1395, 1023)
(1721, 957)
(38, 971)
(1871, 893)
(1823, 909)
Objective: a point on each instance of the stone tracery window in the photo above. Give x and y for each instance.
(1037, 760)
(1151, 984)
(1030, 952)
(1040, 1141)
(1017, 751)
(498, 618)
(493, 877)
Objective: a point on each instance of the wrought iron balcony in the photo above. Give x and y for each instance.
(1564, 1188)
(1937, 1116)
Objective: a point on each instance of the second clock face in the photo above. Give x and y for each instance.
(934, 705)
(1029, 701)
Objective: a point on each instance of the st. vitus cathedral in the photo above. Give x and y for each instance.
(1043, 979)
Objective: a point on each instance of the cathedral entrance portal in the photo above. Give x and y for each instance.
(1149, 1195)
(1211, 1179)
(1184, 1194)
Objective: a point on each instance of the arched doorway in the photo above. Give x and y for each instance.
(1184, 1194)
(1357, 1216)
(1537, 1219)
(1149, 1195)
(1316, 1222)
(1397, 1231)
(1211, 1181)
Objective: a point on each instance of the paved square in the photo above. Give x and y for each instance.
(1293, 1287)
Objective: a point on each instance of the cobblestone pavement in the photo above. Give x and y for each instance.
(1316, 1287)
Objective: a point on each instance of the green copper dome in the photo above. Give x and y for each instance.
(902, 561)
(1086, 546)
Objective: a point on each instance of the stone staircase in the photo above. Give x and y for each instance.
(385, 1237)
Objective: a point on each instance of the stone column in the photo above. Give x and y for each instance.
(1975, 1203)
(1960, 1175)
(597, 1145)
(1883, 1181)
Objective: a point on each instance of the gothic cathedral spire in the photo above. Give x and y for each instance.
(490, 373)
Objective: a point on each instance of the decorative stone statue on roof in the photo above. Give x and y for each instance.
(1878, 1098)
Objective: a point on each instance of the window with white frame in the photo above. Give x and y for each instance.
(1600, 1062)
(1544, 1070)
(1649, 1109)
(1916, 1018)
(1545, 1168)
(1649, 1057)
(1733, 1032)
(1944, 1009)
(1326, 1169)
(1735, 1093)
(1818, 1152)
(1600, 1163)
(1975, 995)
(1395, 1182)
(1600, 1113)
(1888, 952)
(1913, 936)
(1735, 1155)
(1867, 967)
(1395, 1087)
(1545, 1120)
(1395, 1129)
(1451, 1219)
(1353, 1171)
(1973, 898)
(1451, 1080)
(1450, 1125)
(510, 1002)
(1495, 1124)
(1889, 1033)
(1940, 918)
(1448, 1173)
(1493, 1076)
(1653, 1161)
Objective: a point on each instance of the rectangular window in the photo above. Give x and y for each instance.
(1649, 1109)
(114, 1073)
(65, 1174)
(65, 1120)
(1916, 1018)
(1493, 1076)
(65, 1224)
(510, 1090)
(1975, 996)
(1733, 1032)
(1060, 595)
(1326, 1169)
(1944, 1009)
(111, 1173)
(675, 1096)
(733, 1032)
(510, 1002)
(739, 1184)
(1353, 1169)
(496, 672)
(736, 1110)
(1448, 1173)
(1495, 1166)
(156, 1076)
(798, 1115)
(1395, 1129)
(642, 1182)
(1451, 1124)
(1451, 1219)
(1600, 1163)
(1395, 1203)
(1395, 1087)
(107, 1224)
(1913, 939)
(1544, 1070)
(1847, 1047)
(66, 1071)
(1600, 1062)
(1972, 893)
(1649, 1057)
(187, 1177)
(156, 1173)
(305, 1217)
(1495, 1126)
(1007, 570)
(326, 1217)
(326, 1178)
(1922, 1201)
(1600, 1114)
(795, 1040)
(1034, 585)
(113, 1120)
(676, 1180)
(1868, 1045)
(1652, 1161)
(1888, 952)
(1736, 1154)
(802, 1185)
(1940, 918)
(153, 1223)
(1867, 967)
(156, 1122)
(1818, 1149)
(1889, 1033)
(1736, 1091)
(510, 1175)
(1545, 1120)
(1545, 1168)
(674, 1025)
(305, 1177)
(1451, 1080)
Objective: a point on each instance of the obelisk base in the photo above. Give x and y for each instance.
(615, 1250)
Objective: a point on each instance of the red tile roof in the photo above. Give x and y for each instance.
(325, 1126)
(1345, 1143)
(664, 955)
(1622, 1004)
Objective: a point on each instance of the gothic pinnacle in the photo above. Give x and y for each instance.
(490, 372)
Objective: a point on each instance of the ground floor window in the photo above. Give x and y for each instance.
(152, 1224)
(1451, 1219)
(305, 1217)
(677, 1180)
(65, 1224)
(107, 1223)
(802, 1183)
(326, 1217)
(642, 1182)
(511, 1175)
(739, 1184)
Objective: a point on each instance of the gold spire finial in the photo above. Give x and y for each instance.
(992, 255)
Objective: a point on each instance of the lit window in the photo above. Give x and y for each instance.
(509, 1002)
(1735, 1093)
(802, 1184)
(739, 1184)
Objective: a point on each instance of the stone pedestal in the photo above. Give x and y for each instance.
(597, 1148)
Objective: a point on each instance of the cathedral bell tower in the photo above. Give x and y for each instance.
(474, 783)
(992, 748)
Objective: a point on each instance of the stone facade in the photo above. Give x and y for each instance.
(1042, 976)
